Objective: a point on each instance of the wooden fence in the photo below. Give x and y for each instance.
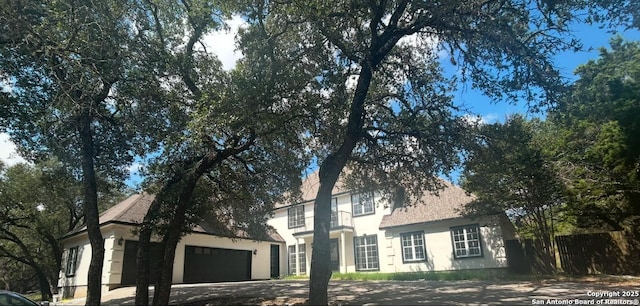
(529, 256)
(600, 253)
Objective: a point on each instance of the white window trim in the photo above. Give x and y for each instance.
(466, 241)
(356, 246)
(413, 247)
(298, 219)
(360, 203)
(302, 254)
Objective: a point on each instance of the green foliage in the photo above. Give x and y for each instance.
(39, 204)
(508, 171)
(234, 147)
(65, 59)
(597, 145)
(377, 99)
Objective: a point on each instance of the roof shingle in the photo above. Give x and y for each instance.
(133, 209)
(445, 205)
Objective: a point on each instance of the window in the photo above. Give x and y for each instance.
(334, 212)
(301, 257)
(466, 241)
(362, 204)
(296, 216)
(366, 248)
(413, 247)
(72, 261)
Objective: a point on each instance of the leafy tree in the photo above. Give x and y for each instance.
(39, 205)
(508, 171)
(396, 127)
(234, 148)
(75, 74)
(598, 139)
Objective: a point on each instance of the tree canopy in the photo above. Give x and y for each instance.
(597, 144)
(74, 69)
(39, 204)
(380, 103)
(508, 171)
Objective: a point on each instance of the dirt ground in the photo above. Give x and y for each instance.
(294, 292)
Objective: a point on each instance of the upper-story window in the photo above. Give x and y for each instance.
(334, 212)
(296, 216)
(362, 204)
(466, 241)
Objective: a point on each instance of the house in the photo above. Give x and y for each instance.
(203, 255)
(368, 234)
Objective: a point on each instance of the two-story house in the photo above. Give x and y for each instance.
(368, 234)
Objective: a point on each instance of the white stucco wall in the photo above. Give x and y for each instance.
(75, 286)
(439, 247)
(363, 225)
(437, 235)
(260, 262)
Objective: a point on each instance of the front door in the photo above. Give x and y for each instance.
(275, 261)
(335, 254)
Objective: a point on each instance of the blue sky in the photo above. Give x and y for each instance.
(222, 43)
(592, 37)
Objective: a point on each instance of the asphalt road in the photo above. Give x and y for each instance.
(292, 292)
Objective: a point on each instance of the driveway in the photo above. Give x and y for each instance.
(291, 292)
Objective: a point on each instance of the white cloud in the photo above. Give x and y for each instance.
(480, 120)
(8, 153)
(222, 43)
(135, 168)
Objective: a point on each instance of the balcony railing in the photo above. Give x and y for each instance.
(339, 220)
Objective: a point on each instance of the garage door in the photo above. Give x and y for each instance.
(129, 267)
(208, 265)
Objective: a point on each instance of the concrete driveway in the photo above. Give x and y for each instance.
(292, 292)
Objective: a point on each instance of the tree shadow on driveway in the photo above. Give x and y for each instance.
(292, 292)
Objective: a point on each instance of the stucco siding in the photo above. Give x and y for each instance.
(260, 261)
(115, 235)
(439, 247)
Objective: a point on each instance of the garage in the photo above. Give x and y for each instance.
(129, 266)
(209, 265)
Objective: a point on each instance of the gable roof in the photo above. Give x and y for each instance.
(446, 205)
(310, 186)
(132, 210)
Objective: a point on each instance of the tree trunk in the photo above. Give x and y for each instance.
(45, 286)
(320, 257)
(162, 291)
(91, 217)
(329, 172)
(142, 259)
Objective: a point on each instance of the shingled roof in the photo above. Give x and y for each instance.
(309, 188)
(444, 206)
(132, 210)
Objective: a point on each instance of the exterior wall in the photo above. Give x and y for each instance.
(76, 285)
(439, 247)
(362, 225)
(260, 262)
(437, 237)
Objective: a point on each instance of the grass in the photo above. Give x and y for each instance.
(36, 296)
(480, 274)
(433, 276)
